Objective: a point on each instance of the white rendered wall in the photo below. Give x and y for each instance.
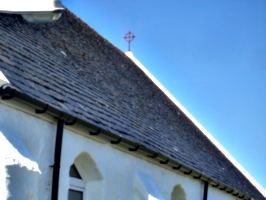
(121, 175)
(213, 193)
(119, 170)
(29, 176)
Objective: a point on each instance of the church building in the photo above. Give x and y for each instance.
(80, 120)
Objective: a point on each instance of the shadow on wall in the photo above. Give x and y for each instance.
(146, 188)
(22, 183)
(178, 193)
(16, 152)
(12, 136)
(87, 167)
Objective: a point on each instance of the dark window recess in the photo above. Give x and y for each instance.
(74, 172)
(75, 195)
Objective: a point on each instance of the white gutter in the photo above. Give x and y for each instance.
(211, 138)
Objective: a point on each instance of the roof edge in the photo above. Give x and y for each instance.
(9, 92)
(194, 121)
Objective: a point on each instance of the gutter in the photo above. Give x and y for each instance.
(8, 92)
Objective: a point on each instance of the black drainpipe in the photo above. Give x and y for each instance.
(57, 158)
(205, 194)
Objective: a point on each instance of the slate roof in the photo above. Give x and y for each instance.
(71, 67)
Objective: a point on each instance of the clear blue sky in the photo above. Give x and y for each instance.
(211, 55)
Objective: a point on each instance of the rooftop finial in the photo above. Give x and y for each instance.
(129, 37)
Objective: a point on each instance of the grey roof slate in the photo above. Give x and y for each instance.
(71, 67)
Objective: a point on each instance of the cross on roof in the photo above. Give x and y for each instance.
(129, 37)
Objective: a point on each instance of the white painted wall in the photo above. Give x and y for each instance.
(29, 176)
(213, 193)
(120, 175)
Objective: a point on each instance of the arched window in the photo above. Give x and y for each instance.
(85, 178)
(77, 186)
(178, 193)
(145, 187)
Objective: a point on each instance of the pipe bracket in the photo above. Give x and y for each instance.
(177, 168)
(133, 149)
(117, 141)
(236, 194)
(197, 177)
(43, 110)
(189, 172)
(164, 162)
(223, 188)
(71, 123)
(215, 185)
(155, 155)
(96, 133)
(230, 191)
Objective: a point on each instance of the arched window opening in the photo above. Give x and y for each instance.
(77, 185)
(178, 193)
(73, 172)
(145, 188)
(85, 179)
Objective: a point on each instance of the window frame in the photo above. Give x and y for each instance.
(77, 185)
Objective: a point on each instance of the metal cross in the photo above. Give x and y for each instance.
(129, 37)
